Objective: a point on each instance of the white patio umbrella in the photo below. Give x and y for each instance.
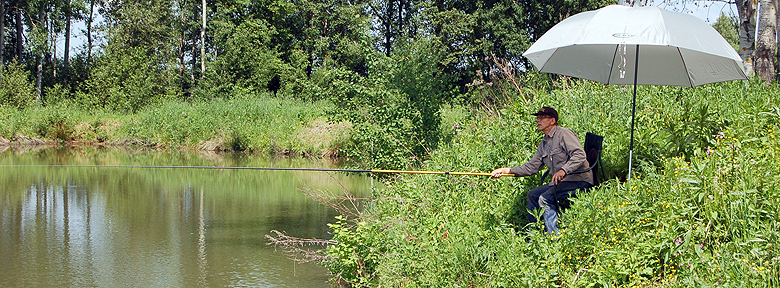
(604, 45)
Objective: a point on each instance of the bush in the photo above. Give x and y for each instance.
(55, 124)
(56, 94)
(126, 79)
(16, 89)
(396, 112)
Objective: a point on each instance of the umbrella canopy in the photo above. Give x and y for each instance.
(676, 49)
(636, 45)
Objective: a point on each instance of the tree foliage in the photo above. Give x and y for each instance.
(728, 28)
(15, 87)
(137, 66)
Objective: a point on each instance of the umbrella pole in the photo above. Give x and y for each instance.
(633, 114)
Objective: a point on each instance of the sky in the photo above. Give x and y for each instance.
(709, 11)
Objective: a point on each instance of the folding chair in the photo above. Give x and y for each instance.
(593, 146)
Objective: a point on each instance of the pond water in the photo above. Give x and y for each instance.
(140, 227)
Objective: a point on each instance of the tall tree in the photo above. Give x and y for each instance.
(182, 41)
(767, 41)
(90, 20)
(728, 28)
(473, 31)
(68, 9)
(2, 38)
(194, 53)
(747, 31)
(393, 21)
(40, 33)
(203, 38)
(19, 29)
(139, 60)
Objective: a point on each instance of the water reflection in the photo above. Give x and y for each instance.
(157, 227)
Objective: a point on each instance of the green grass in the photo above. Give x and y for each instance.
(701, 210)
(260, 124)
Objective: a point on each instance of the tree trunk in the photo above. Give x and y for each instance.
(767, 41)
(633, 3)
(203, 40)
(19, 33)
(2, 38)
(51, 57)
(747, 32)
(194, 52)
(89, 34)
(66, 55)
(38, 61)
(777, 32)
(389, 19)
(400, 30)
(182, 43)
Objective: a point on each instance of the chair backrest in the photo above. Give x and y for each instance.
(593, 146)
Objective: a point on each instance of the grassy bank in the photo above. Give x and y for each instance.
(259, 124)
(701, 210)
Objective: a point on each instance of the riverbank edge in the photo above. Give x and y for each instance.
(316, 131)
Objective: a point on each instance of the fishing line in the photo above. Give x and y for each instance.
(267, 168)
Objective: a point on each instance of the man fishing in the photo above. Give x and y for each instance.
(561, 152)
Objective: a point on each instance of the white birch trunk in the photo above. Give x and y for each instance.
(633, 3)
(747, 32)
(767, 41)
(182, 42)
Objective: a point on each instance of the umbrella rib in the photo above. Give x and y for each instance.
(548, 58)
(684, 66)
(612, 65)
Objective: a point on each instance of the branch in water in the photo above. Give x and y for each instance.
(294, 247)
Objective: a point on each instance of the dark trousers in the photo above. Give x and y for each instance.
(547, 197)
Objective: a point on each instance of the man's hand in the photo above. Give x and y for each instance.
(497, 173)
(558, 176)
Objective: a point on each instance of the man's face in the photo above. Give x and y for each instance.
(544, 122)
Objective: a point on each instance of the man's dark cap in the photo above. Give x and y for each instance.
(547, 111)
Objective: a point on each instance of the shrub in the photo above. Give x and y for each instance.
(396, 112)
(126, 79)
(56, 94)
(55, 124)
(16, 89)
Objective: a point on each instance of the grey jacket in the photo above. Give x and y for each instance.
(560, 149)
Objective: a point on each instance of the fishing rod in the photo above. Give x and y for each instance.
(268, 168)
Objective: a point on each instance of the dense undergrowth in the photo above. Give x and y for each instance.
(700, 211)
